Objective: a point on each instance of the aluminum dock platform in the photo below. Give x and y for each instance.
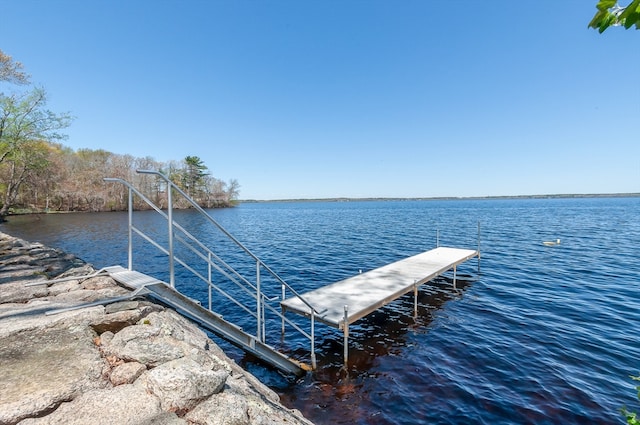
(344, 302)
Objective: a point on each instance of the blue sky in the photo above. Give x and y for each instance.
(317, 99)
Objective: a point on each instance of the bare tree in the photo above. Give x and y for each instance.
(11, 71)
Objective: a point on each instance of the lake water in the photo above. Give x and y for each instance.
(539, 335)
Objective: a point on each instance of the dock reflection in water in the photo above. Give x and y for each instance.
(386, 332)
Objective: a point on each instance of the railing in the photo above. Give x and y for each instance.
(176, 232)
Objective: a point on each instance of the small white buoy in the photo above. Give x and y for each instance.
(551, 243)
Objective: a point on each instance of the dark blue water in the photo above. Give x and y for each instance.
(541, 335)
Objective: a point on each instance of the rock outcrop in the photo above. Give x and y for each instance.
(128, 362)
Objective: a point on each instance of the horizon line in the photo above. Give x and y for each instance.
(447, 198)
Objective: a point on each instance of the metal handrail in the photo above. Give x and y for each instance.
(223, 230)
(209, 256)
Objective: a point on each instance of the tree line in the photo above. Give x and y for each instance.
(73, 181)
(38, 173)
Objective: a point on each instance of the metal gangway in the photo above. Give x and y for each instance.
(246, 286)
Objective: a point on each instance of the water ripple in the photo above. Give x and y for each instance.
(542, 335)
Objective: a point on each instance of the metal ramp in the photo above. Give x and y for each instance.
(143, 285)
(240, 280)
(207, 319)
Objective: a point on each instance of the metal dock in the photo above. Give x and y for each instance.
(344, 302)
(259, 296)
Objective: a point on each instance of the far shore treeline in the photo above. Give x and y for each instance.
(69, 180)
(37, 173)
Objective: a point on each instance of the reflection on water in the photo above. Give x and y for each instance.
(541, 335)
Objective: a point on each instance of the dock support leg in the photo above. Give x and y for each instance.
(346, 335)
(478, 246)
(209, 281)
(172, 279)
(454, 277)
(313, 340)
(258, 303)
(284, 294)
(264, 321)
(415, 300)
(130, 248)
(283, 311)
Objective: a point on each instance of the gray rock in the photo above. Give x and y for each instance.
(106, 338)
(126, 373)
(16, 291)
(78, 297)
(221, 409)
(121, 306)
(146, 345)
(122, 405)
(62, 287)
(174, 325)
(44, 366)
(115, 322)
(98, 282)
(78, 268)
(181, 384)
(149, 365)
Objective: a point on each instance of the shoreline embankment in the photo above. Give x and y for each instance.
(71, 356)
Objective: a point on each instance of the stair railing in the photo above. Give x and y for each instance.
(176, 232)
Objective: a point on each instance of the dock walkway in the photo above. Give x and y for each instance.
(344, 302)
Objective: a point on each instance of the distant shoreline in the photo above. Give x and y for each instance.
(450, 198)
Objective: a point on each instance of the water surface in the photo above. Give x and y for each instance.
(540, 335)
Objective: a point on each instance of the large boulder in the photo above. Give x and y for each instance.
(66, 360)
(183, 383)
(122, 405)
(44, 366)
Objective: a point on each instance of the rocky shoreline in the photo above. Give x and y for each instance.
(126, 362)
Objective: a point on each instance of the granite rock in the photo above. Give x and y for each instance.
(63, 361)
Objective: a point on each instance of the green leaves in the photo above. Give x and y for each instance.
(632, 417)
(610, 13)
(605, 4)
(631, 15)
(25, 128)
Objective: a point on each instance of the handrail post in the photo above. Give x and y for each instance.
(415, 299)
(478, 246)
(175, 233)
(170, 220)
(130, 231)
(313, 340)
(258, 301)
(284, 294)
(346, 336)
(454, 277)
(264, 326)
(209, 278)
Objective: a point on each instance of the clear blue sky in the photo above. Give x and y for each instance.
(316, 99)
